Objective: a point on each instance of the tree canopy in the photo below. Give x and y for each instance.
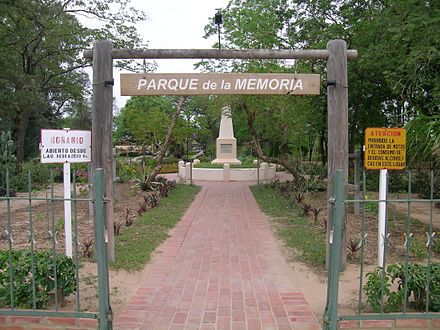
(41, 62)
(393, 82)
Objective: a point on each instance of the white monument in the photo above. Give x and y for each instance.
(226, 146)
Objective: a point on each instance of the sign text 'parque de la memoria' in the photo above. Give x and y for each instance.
(219, 84)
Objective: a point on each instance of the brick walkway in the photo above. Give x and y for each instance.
(220, 269)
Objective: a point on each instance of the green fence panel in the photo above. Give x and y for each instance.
(404, 273)
(104, 314)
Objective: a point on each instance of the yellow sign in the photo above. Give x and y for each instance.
(385, 148)
(219, 84)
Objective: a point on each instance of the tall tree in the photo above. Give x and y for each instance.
(144, 121)
(395, 76)
(41, 44)
(270, 24)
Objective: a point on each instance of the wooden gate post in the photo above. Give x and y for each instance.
(357, 180)
(337, 105)
(102, 119)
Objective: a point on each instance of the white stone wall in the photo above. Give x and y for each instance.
(267, 173)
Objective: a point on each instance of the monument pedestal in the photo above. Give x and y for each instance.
(226, 144)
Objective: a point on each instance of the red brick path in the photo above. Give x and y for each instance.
(220, 269)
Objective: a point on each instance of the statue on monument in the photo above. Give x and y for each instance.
(226, 144)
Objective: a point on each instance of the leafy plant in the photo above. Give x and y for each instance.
(316, 211)
(284, 189)
(422, 183)
(141, 210)
(299, 197)
(83, 190)
(418, 248)
(169, 168)
(82, 176)
(373, 207)
(274, 183)
(59, 225)
(40, 175)
(7, 157)
(86, 248)
(117, 228)
(395, 277)
(324, 223)
(126, 170)
(151, 200)
(44, 278)
(373, 289)
(38, 216)
(129, 217)
(306, 208)
(353, 246)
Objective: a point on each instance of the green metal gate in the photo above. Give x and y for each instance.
(408, 284)
(11, 265)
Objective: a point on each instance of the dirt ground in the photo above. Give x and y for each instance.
(123, 284)
(420, 214)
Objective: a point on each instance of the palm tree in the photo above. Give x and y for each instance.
(423, 141)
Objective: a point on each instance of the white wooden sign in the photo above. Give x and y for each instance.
(65, 146)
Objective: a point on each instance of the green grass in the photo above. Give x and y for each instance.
(297, 232)
(134, 246)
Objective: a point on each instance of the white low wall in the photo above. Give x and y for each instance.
(267, 173)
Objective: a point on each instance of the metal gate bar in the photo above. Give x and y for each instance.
(337, 204)
(104, 315)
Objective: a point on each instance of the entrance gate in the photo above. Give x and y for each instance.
(48, 272)
(103, 55)
(399, 294)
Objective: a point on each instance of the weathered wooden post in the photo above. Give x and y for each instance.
(337, 105)
(102, 119)
(357, 180)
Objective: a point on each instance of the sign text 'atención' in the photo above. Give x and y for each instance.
(385, 148)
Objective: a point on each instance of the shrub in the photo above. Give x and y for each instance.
(87, 248)
(398, 181)
(82, 176)
(170, 161)
(57, 172)
(168, 168)
(422, 184)
(394, 287)
(418, 248)
(353, 246)
(126, 171)
(7, 157)
(44, 278)
(40, 176)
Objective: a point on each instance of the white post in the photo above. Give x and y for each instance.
(67, 210)
(383, 192)
(226, 172)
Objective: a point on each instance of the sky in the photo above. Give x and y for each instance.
(173, 24)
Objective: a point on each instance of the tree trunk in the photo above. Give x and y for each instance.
(166, 144)
(323, 146)
(20, 134)
(283, 160)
